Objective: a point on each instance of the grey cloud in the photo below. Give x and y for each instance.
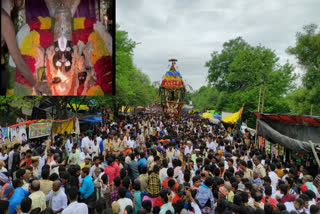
(192, 30)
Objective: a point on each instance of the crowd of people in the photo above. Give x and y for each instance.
(145, 164)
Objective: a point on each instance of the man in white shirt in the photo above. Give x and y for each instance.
(296, 206)
(75, 207)
(123, 201)
(10, 159)
(85, 142)
(57, 198)
(189, 148)
(42, 160)
(98, 139)
(95, 150)
(211, 145)
(163, 172)
(3, 155)
(68, 146)
(273, 176)
(54, 165)
(130, 143)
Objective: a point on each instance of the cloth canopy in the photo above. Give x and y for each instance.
(302, 128)
(207, 115)
(274, 136)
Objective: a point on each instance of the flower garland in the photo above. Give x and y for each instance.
(78, 23)
(30, 43)
(45, 22)
(99, 47)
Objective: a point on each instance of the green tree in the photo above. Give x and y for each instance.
(240, 70)
(307, 51)
(133, 87)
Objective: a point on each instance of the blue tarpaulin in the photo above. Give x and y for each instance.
(217, 116)
(92, 120)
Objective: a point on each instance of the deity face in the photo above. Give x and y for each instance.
(62, 58)
(82, 76)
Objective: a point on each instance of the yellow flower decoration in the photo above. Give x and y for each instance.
(78, 23)
(95, 91)
(45, 22)
(30, 43)
(99, 47)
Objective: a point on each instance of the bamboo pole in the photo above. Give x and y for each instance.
(264, 92)
(314, 153)
(256, 137)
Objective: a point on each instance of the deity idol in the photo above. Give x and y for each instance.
(72, 65)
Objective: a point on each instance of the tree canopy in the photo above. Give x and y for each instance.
(307, 51)
(239, 71)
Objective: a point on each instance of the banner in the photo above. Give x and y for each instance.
(39, 130)
(19, 133)
(62, 126)
(4, 132)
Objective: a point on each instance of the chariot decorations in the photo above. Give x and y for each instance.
(172, 92)
(73, 55)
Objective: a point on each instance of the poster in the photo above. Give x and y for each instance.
(281, 150)
(268, 147)
(19, 133)
(39, 130)
(4, 132)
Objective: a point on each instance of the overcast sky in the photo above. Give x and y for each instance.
(190, 30)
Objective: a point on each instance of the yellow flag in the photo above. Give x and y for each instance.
(232, 118)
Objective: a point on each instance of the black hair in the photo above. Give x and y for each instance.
(20, 173)
(122, 192)
(156, 168)
(156, 209)
(244, 197)
(164, 195)
(26, 205)
(17, 183)
(283, 188)
(209, 181)
(268, 190)
(104, 178)
(85, 170)
(136, 185)
(196, 178)
(314, 209)
(165, 163)
(267, 179)
(54, 176)
(171, 183)
(45, 172)
(281, 207)
(147, 205)
(129, 209)
(117, 181)
(272, 166)
(73, 193)
(123, 173)
(170, 172)
(126, 182)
